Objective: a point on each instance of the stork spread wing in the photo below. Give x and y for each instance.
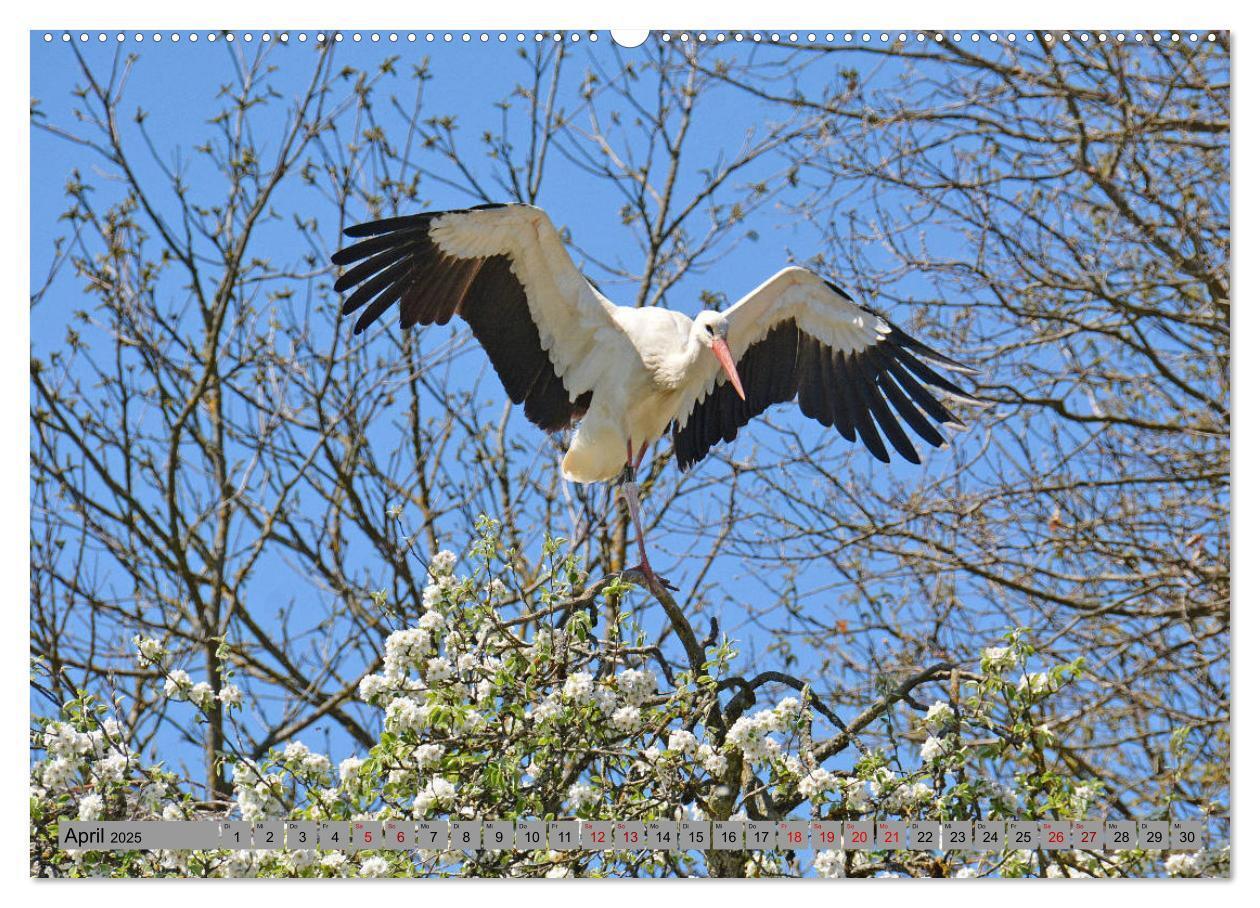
(799, 336)
(504, 269)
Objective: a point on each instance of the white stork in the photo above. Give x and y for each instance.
(624, 375)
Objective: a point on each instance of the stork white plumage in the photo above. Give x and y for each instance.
(622, 374)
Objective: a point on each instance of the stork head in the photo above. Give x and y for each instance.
(710, 329)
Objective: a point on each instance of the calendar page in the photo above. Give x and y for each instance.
(676, 453)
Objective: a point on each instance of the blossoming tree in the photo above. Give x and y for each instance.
(251, 530)
(492, 713)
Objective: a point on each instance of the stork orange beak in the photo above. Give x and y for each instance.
(723, 354)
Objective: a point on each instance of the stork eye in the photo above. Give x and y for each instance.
(708, 328)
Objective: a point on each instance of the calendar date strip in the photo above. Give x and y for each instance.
(630, 835)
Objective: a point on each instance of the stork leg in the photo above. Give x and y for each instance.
(629, 489)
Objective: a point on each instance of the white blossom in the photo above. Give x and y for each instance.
(173, 860)
(908, 797)
(111, 768)
(1037, 683)
(428, 755)
(152, 795)
(932, 748)
(627, 718)
(61, 740)
(314, 762)
(1082, 796)
(546, 642)
(682, 741)
(997, 659)
(149, 651)
(58, 771)
(637, 685)
(442, 564)
(439, 669)
(201, 694)
(404, 713)
(606, 699)
(817, 781)
(401, 777)
(372, 686)
(438, 792)
(90, 807)
(238, 864)
(109, 736)
(743, 732)
(713, 761)
(547, 709)
(857, 795)
(432, 595)
(883, 781)
(749, 734)
(348, 770)
(1183, 863)
(177, 685)
(829, 864)
(250, 806)
(761, 864)
(299, 859)
(579, 687)
(404, 650)
(244, 773)
(920, 792)
(432, 622)
(335, 861)
(230, 695)
(787, 711)
(583, 795)
(938, 716)
(374, 867)
(254, 794)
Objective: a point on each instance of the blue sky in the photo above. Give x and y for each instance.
(177, 84)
